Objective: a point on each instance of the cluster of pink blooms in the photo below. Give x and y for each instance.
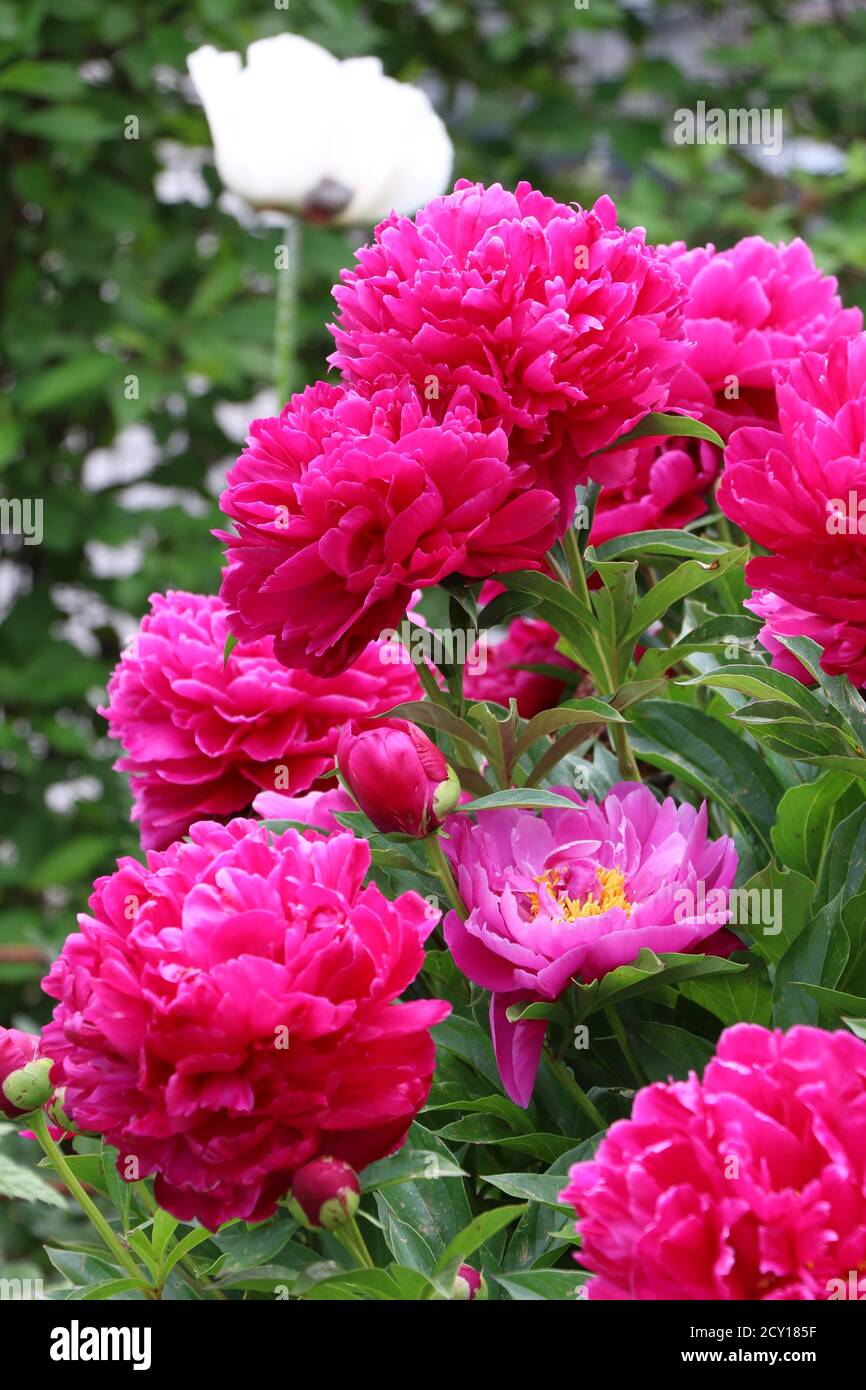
(749, 1184)
(488, 347)
(228, 1014)
(750, 312)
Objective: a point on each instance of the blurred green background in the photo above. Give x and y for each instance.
(103, 279)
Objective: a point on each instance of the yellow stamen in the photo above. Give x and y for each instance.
(610, 893)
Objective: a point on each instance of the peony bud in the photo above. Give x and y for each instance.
(27, 1088)
(398, 777)
(17, 1049)
(325, 1194)
(469, 1284)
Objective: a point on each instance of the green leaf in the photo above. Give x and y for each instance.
(745, 998)
(409, 1165)
(531, 1187)
(26, 1185)
(440, 718)
(807, 815)
(529, 798)
(669, 1053)
(547, 1284)
(685, 579)
(647, 973)
(836, 999)
(652, 545)
(656, 425)
(790, 894)
(481, 1229)
(81, 376)
(709, 757)
(762, 683)
(569, 714)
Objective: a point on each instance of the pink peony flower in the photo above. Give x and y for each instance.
(567, 328)
(750, 311)
(344, 505)
(227, 1015)
(568, 895)
(315, 809)
(529, 642)
(203, 734)
(797, 490)
(750, 1184)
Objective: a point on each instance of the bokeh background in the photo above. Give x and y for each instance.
(122, 257)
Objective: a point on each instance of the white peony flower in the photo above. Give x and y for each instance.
(297, 130)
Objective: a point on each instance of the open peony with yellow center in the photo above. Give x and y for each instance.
(566, 895)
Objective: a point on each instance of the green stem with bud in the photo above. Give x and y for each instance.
(350, 1238)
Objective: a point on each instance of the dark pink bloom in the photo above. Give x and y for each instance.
(398, 777)
(750, 1184)
(750, 311)
(202, 734)
(529, 642)
(17, 1050)
(344, 505)
(798, 491)
(568, 895)
(227, 1014)
(567, 328)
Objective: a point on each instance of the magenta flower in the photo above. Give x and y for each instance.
(750, 311)
(227, 1014)
(398, 777)
(798, 490)
(750, 1184)
(529, 642)
(202, 735)
(345, 505)
(567, 328)
(568, 895)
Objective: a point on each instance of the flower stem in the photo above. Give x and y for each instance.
(58, 1161)
(625, 754)
(351, 1239)
(576, 1091)
(621, 1036)
(442, 869)
(285, 323)
(575, 566)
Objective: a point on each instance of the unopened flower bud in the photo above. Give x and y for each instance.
(399, 778)
(469, 1284)
(27, 1088)
(325, 1194)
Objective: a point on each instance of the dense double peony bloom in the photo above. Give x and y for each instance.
(750, 311)
(568, 328)
(227, 1014)
(202, 735)
(568, 895)
(797, 490)
(346, 504)
(750, 1184)
(529, 642)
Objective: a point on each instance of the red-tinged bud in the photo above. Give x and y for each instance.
(469, 1284)
(398, 777)
(325, 1194)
